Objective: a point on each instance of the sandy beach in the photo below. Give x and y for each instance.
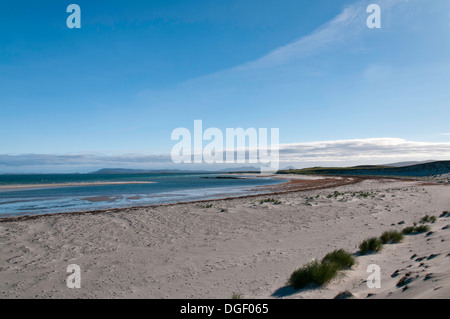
(211, 249)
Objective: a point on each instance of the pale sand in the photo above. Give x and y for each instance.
(237, 245)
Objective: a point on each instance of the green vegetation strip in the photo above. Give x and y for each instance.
(321, 272)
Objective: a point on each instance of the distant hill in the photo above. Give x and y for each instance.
(403, 164)
(240, 169)
(418, 170)
(118, 171)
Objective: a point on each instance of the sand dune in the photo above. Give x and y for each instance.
(421, 261)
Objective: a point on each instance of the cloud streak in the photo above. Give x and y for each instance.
(348, 24)
(343, 26)
(343, 152)
(364, 150)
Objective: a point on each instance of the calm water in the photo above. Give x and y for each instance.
(166, 188)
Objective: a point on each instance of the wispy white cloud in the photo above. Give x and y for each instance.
(343, 26)
(341, 152)
(364, 150)
(346, 25)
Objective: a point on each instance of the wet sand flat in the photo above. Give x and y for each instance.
(59, 185)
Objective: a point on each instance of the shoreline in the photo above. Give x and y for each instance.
(13, 187)
(292, 184)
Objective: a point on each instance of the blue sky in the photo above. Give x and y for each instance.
(111, 93)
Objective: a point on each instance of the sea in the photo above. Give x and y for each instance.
(58, 193)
